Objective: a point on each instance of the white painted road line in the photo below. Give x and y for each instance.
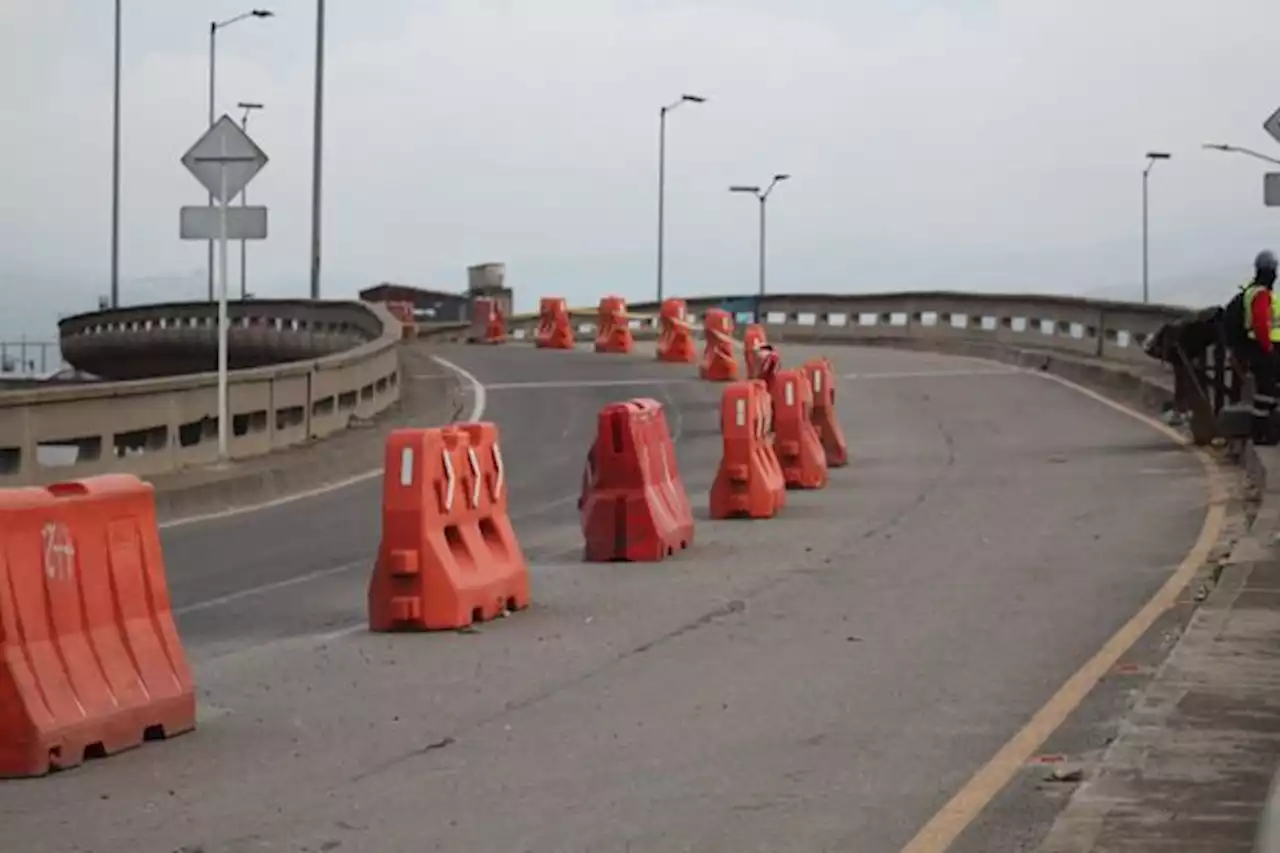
(210, 603)
(586, 383)
(928, 374)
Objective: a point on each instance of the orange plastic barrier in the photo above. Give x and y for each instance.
(554, 329)
(634, 505)
(448, 556)
(718, 361)
(613, 331)
(799, 449)
(488, 326)
(749, 481)
(822, 379)
(753, 337)
(90, 660)
(675, 338)
(403, 311)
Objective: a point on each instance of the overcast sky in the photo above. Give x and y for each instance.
(968, 144)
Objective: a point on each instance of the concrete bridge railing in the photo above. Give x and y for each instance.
(1087, 327)
(348, 367)
(153, 426)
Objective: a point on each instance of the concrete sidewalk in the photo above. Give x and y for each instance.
(1192, 766)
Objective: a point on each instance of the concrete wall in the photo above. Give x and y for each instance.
(178, 338)
(1113, 330)
(151, 426)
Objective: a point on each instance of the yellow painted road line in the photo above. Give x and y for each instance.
(984, 786)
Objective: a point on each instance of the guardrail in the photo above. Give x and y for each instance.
(24, 358)
(179, 338)
(153, 426)
(158, 425)
(1088, 327)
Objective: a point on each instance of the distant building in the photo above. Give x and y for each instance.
(428, 305)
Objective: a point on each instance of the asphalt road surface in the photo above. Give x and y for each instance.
(818, 682)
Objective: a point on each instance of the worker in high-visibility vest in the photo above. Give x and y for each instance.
(1253, 330)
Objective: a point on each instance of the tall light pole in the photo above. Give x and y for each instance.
(248, 107)
(317, 134)
(214, 26)
(115, 172)
(1152, 157)
(662, 172)
(762, 197)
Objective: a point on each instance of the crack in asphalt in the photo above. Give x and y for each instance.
(813, 563)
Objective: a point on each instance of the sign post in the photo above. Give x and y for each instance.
(1271, 180)
(224, 160)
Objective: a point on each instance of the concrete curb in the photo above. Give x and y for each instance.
(328, 462)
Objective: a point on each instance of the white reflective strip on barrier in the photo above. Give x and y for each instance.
(789, 391)
(500, 472)
(475, 476)
(448, 480)
(817, 381)
(740, 411)
(406, 467)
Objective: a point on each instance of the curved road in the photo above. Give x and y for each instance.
(821, 681)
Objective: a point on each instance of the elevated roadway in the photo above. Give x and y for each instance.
(827, 680)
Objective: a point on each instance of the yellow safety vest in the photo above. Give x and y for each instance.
(1250, 291)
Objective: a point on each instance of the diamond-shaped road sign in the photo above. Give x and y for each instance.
(224, 146)
(1272, 125)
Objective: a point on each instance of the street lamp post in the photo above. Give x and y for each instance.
(115, 172)
(316, 141)
(214, 26)
(662, 172)
(1236, 149)
(248, 107)
(1152, 157)
(763, 198)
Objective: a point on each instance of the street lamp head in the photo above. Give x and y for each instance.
(249, 105)
(263, 13)
(781, 177)
(1216, 146)
(738, 188)
(1158, 155)
(693, 99)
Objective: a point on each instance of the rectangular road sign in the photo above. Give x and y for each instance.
(1272, 125)
(224, 146)
(1271, 189)
(243, 223)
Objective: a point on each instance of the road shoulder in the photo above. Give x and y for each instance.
(1191, 766)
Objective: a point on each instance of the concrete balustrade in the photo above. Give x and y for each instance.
(1089, 327)
(152, 426)
(180, 338)
(346, 366)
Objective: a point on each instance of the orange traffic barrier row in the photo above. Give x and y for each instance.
(796, 441)
(488, 325)
(449, 555)
(822, 379)
(753, 338)
(719, 364)
(613, 327)
(554, 328)
(90, 660)
(634, 505)
(749, 481)
(675, 336)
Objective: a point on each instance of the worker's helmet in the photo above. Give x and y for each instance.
(1265, 262)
